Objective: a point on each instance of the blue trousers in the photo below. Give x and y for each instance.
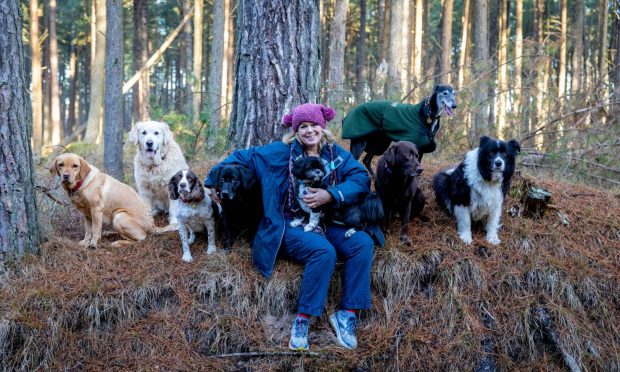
(319, 253)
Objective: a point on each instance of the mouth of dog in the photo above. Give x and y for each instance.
(447, 108)
(150, 153)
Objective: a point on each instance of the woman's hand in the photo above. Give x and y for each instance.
(317, 197)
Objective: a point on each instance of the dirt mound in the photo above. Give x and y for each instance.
(547, 297)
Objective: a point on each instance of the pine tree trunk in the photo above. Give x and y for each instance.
(602, 40)
(19, 229)
(465, 19)
(518, 93)
(446, 43)
(336, 54)
(70, 123)
(229, 53)
(418, 46)
(385, 36)
(188, 92)
(481, 63)
(214, 97)
(538, 17)
(578, 55)
(197, 62)
(37, 86)
(502, 67)
(277, 67)
(360, 63)
(140, 99)
(54, 122)
(396, 50)
(113, 123)
(97, 73)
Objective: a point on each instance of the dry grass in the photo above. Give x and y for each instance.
(547, 297)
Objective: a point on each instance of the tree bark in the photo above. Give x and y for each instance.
(214, 97)
(502, 67)
(97, 73)
(519, 65)
(602, 40)
(19, 229)
(418, 46)
(140, 97)
(277, 67)
(113, 134)
(229, 56)
(465, 19)
(197, 61)
(563, 50)
(37, 85)
(395, 60)
(54, 122)
(446, 43)
(70, 124)
(187, 100)
(578, 54)
(336, 53)
(360, 62)
(481, 62)
(385, 35)
(540, 73)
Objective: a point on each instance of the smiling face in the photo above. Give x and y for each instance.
(446, 99)
(70, 168)
(151, 137)
(310, 135)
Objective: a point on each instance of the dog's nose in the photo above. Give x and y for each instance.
(419, 171)
(224, 194)
(182, 184)
(498, 163)
(454, 105)
(65, 176)
(149, 143)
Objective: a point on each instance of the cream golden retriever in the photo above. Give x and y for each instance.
(103, 199)
(158, 159)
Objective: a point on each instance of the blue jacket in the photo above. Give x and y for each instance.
(270, 163)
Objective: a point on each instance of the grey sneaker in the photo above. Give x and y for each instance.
(299, 335)
(344, 324)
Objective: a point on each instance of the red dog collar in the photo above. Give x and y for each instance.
(76, 188)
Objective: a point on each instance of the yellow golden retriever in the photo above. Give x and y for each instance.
(103, 199)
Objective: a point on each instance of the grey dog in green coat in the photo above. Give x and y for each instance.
(373, 125)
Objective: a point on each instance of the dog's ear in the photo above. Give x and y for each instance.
(390, 154)
(133, 133)
(168, 136)
(198, 192)
(173, 190)
(54, 169)
(247, 178)
(484, 140)
(514, 147)
(84, 168)
(298, 169)
(215, 176)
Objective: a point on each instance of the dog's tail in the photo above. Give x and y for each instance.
(372, 209)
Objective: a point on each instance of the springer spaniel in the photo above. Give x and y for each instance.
(195, 211)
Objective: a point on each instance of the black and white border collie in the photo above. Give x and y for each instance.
(195, 211)
(475, 189)
(309, 172)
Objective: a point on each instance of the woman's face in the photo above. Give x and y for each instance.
(310, 134)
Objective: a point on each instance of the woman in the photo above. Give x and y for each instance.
(347, 182)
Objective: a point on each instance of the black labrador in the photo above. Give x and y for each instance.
(242, 207)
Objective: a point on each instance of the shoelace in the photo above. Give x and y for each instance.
(300, 328)
(350, 325)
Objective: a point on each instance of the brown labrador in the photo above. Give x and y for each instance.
(103, 199)
(398, 174)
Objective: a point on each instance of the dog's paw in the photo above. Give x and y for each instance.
(83, 243)
(296, 222)
(191, 239)
(406, 240)
(211, 249)
(92, 244)
(493, 239)
(350, 233)
(466, 238)
(187, 257)
(309, 228)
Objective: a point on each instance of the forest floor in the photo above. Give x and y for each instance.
(548, 297)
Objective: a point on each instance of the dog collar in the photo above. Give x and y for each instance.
(189, 202)
(74, 190)
(427, 112)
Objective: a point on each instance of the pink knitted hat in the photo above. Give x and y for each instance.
(314, 113)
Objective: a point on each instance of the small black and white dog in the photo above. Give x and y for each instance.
(475, 189)
(195, 211)
(367, 214)
(308, 172)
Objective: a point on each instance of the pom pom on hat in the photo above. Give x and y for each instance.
(309, 112)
